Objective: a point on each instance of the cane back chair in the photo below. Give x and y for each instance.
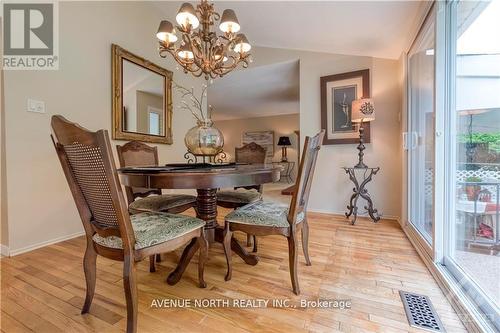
(250, 153)
(263, 218)
(136, 153)
(110, 231)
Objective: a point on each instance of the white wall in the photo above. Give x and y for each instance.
(331, 188)
(40, 206)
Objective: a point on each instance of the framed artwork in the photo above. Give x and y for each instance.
(337, 93)
(262, 138)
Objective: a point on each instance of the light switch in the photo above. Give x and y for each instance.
(36, 106)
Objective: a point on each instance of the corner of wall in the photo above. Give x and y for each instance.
(4, 228)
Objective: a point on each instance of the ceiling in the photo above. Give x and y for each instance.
(367, 28)
(256, 92)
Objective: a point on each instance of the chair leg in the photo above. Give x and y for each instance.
(130, 286)
(227, 250)
(158, 257)
(203, 256)
(254, 244)
(292, 258)
(89, 268)
(249, 240)
(152, 267)
(305, 242)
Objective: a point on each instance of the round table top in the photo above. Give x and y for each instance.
(200, 178)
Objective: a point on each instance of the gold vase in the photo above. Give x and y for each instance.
(204, 139)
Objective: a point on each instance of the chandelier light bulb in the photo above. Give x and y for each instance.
(229, 22)
(187, 16)
(166, 32)
(185, 52)
(242, 46)
(218, 56)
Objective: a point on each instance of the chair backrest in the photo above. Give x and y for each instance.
(305, 175)
(135, 153)
(90, 170)
(250, 153)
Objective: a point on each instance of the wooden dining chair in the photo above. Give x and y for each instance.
(250, 153)
(268, 218)
(136, 153)
(110, 231)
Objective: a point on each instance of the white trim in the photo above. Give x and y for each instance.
(418, 23)
(415, 165)
(440, 117)
(4, 250)
(416, 237)
(45, 243)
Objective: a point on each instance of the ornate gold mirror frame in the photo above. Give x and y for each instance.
(119, 133)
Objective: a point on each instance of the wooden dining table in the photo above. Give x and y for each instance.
(206, 180)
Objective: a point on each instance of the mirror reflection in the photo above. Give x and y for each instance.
(143, 100)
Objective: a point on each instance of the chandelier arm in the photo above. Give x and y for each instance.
(227, 69)
(173, 52)
(196, 56)
(232, 64)
(196, 40)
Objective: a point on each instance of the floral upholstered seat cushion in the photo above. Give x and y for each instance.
(264, 213)
(153, 228)
(160, 203)
(239, 196)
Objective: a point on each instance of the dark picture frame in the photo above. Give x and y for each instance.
(335, 126)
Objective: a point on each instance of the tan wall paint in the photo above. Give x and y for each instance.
(331, 188)
(283, 125)
(40, 205)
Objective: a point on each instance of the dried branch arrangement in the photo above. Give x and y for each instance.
(194, 104)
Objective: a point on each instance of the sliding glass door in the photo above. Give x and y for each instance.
(472, 234)
(453, 144)
(420, 136)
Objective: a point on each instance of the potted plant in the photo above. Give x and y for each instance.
(472, 189)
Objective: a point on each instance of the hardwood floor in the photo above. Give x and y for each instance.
(43, 290)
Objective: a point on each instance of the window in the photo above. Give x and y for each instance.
(154, 121)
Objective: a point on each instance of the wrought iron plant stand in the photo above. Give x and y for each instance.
(361, 191)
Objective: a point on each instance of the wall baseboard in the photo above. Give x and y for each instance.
(342, 214)
(42, 244)
(4, 250)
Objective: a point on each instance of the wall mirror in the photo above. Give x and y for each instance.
(142, 99)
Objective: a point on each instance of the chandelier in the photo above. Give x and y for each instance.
(200, 51)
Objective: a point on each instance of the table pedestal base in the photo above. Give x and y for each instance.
(207, 211)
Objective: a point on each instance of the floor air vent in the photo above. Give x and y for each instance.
(420, 312)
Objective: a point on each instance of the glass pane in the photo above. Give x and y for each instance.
(421, 130)
(154, 123)
(143, 90)
(475, 249)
